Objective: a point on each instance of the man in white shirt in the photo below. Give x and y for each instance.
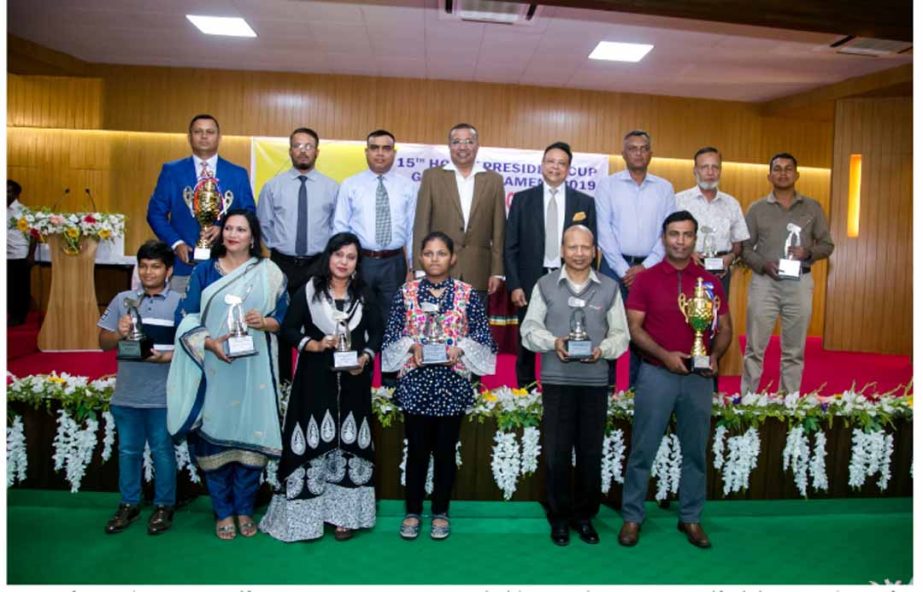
(722, 227)
(631, 206)
(465, 201)
(20, 256)
(377, 205)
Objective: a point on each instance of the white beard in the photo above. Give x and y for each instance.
(706, 185)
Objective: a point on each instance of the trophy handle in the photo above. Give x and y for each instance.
(189, 198)
(226, 200)
(682, 300)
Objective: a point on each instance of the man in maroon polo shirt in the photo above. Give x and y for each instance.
(665, 385)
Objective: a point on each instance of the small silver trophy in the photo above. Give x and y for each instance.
(435, 350)
(137, 345)
(240, 343)
(712, 261)
(579, 346)
(344, 357)
(789, 267)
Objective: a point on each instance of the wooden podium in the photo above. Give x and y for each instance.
(70, 322)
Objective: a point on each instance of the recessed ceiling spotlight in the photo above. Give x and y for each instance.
(231, 26)
(620, 52)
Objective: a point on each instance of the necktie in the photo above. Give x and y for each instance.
(205, 172)
(301, 236)
(382, 215)
(552, 248)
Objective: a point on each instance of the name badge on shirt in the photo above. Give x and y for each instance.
(575, 302)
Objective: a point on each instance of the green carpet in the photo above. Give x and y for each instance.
(55, 537)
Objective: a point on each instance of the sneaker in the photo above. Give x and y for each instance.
(124, 515)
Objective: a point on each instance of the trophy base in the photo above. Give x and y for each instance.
(579, 349)
(135, 350)
(714, 264)
(789, 269)
(202, 254)
(435, 354)
(345, 361)
(699, 365)
(239, 347)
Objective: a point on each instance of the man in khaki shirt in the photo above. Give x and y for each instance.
(784, 224)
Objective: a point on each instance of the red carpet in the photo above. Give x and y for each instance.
(830, 371)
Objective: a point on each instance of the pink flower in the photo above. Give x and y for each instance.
(56, 220)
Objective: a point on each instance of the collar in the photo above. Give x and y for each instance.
(624, 175)
(295, 173)
(668, 269)
(387, 176)
(212, 163)
(562, 188)
(425, 283)
(696, 192)
(771, 198)
(162, 294)
(15, 204)
(477, 168)
(564, 276)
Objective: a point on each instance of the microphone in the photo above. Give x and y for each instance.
(67, 190)
(90, 197)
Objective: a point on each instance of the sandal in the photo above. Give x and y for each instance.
(225, 532)
(440, 531)
(343, 534)
(410, 530)
(247, 526)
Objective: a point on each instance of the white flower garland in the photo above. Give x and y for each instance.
(428, 487)
(108, 435)
(818, 466)
(742, 453)
(799, 456)
(148, 462)
(871, 454)
(613, 455)
(505, 462)
(184, 461)
(16, 459)
(531, 449)
(668, 465)
(73, 447)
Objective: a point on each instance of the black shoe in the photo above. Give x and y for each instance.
(560, 534)
(124, 515)
(161, 520)
(586, 531)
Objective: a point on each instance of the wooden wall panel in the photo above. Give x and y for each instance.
(870, 291)
(47, 101)
(348, 107)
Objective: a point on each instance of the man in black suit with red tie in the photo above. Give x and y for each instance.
(534, 228)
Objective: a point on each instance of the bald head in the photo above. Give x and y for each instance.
(577, 248)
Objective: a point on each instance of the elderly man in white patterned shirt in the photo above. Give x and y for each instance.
(722, 227)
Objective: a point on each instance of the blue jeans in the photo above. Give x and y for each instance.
(135, 426)
(233, 489)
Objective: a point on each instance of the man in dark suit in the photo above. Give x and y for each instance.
(466, 202)
(167, 213)
(537, 221)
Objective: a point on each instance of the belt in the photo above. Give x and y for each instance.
(631, 260)
(293, 260)
(381, 254)
(550, 269)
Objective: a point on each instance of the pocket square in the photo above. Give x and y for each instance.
(579, 217)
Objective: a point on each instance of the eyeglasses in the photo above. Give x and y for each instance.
(465, 142)
(303, 147)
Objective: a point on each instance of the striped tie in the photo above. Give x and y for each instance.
(382, 215)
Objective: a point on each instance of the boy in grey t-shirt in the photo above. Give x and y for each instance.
(139, 404)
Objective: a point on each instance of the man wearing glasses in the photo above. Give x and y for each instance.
(465, 201)
(167, 212)
(631, 206)
(295, 210)
(378, 205)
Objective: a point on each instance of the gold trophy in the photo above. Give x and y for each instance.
(700, 312)
(207, 205)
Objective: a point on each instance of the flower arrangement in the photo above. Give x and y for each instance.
(72, 226)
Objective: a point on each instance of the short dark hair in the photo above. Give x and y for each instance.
(204, 116)
(680, 216)
(706, 150)
(155, 249)
(459, 126)
(438, 235)
(638, 133)
(377, 133)
(562, 146)
(785, 156)
(256, 246)
(305, 130)
(13, 187)
(322, 278)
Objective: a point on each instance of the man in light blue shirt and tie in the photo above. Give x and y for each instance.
(631, 206)
(378, 206)
(295, 210)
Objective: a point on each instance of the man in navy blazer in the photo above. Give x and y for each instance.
(528, 253)
(167, 212)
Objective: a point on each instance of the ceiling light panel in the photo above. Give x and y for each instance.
(620, 52)
(222, 25)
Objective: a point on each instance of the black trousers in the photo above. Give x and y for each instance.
(18, 290)
(384, 277)
(574, 417)
(297, 270)
(437, 436)
(525, 359)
